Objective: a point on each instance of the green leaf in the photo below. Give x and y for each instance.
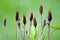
(56, 27)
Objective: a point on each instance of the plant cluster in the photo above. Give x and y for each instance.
(32, 19)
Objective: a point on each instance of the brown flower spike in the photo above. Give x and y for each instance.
(35, 22)
(49, 16)
(31, 16)
(24, 19)
(17, 15)
(41, 9)
(17, 18)
(4, 22)
(44, 22)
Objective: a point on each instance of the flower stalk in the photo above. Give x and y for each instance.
(24, 22)
(49, 19)
(5, 28)
(35, 25)
(31, 18)
(41, 11)
(18, 30)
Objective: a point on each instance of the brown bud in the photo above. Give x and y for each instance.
(4, 22)
(35, 22)
(31, 16)
(24, 19)
(17, 15)
(44, 22)
(17, 19)
(41, 9)
(49, 16)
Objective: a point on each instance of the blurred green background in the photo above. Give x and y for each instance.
(8, 10)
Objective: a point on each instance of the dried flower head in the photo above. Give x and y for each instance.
(49, 16)
(5, 22)
(17, 19)
(35, 22)
(31, 16)
(41, 9)
(17, 15)
(44, 22)
(24, 19)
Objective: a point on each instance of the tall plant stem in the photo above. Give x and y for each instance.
(30, 29)
(49, 31)
(20, 32)
(36, 37)
(17, 33)
(6, 33)
(42, 28)
(24, 32)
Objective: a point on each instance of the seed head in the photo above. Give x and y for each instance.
(24, 19)
(31, 16)
(17, 19)
(44, 22)
(17, 15)
(41, 9)
(49, 16)
(35, 22)
(4, 22)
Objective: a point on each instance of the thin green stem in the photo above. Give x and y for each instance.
(49, 31)
(42, 28)
(30, 29)
(17, 33)
(6, 33)
(24, 32)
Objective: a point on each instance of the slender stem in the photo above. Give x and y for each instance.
(6, 33)
(49, 31)
(17, 33)
(30, 29)
(42, 28)
(24, 32)
(36, 34)
(21, 34)
(41, 23)
(30, 24)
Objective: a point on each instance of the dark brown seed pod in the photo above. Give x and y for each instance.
(17, 15)
(49, 16)
(24, 19)
(41, 9)
(35, 22)
(44, 22)
(31, 16)
(17, 19)
(4, 22)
